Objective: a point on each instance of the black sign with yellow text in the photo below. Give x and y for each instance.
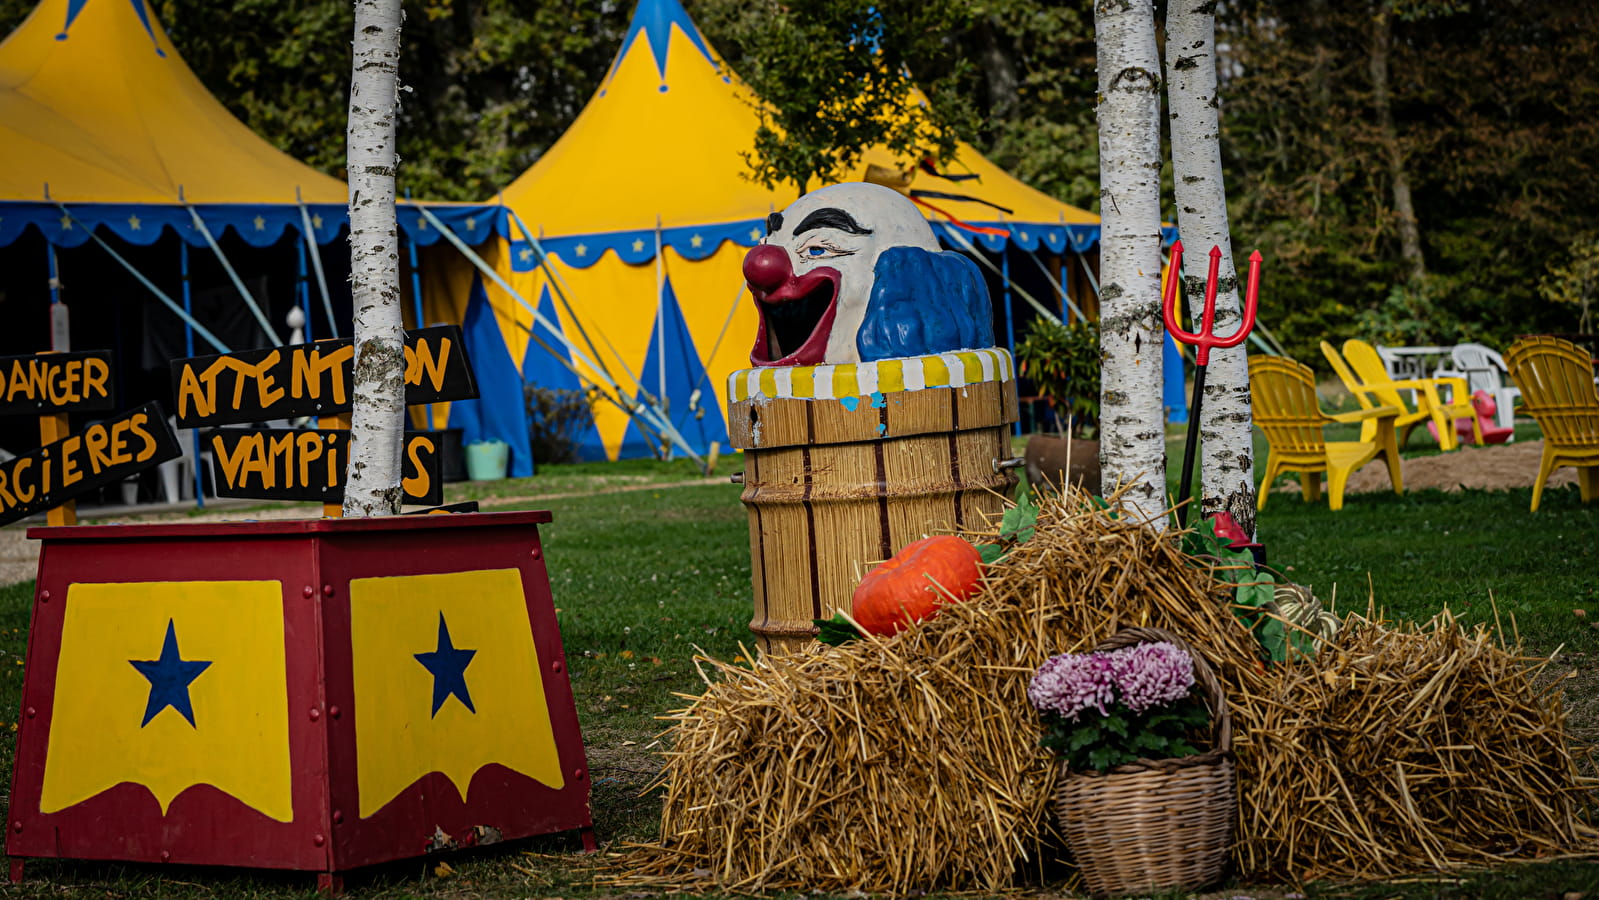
(48, 383)
(103, 453)
(307, 464)
(311, 379)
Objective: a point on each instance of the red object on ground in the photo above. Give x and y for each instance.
(318, 641)
(1483, 403)
(902, 590)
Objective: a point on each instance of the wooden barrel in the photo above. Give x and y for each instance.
(844, 465)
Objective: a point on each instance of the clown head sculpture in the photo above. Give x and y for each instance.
(852, 273)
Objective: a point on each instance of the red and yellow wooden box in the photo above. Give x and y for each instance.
(315, 695)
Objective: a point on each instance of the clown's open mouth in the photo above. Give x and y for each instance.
(796, 320)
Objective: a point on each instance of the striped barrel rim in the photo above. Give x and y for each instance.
(911, 373)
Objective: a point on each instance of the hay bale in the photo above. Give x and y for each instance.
(912, 762)
(1407, 748)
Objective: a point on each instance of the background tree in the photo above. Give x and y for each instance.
(1494, 109)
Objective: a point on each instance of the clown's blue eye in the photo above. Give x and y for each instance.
(816, 251)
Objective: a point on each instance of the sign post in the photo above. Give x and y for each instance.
(313, 379)
(66, 465)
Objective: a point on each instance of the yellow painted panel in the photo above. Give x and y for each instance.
(408, 636)
(110, 724)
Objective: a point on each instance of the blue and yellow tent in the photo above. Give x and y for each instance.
(105, 133)
(644, 213)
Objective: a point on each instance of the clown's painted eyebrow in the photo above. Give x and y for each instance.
(831, 217)
(774, 223)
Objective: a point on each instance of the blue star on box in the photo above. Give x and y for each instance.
(170, 677)
(448, 665)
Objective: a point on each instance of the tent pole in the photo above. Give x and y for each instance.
(149, 285)
(1060, 288)
(705, 371)
(621, 399)
(660, 324)
(316, 264)
(973, 252)
(302, 288)
(249, 299)
(561, 290)
(55, 277)
(188, 350)
(1010, 324)
(416, 299)
(1065, 292)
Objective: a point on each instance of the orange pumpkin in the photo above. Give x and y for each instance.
(902, 590)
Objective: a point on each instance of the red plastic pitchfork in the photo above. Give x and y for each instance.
(1203, 341)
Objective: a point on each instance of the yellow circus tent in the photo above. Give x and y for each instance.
(107, 136)
(641, 215)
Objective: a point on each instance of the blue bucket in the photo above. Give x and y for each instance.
(487, 460)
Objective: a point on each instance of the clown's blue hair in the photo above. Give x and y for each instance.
(923, 303)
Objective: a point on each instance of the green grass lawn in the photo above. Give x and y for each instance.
(643, 576)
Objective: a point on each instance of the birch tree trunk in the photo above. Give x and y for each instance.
(1132, 434)
(1226, 441)
(377, 426)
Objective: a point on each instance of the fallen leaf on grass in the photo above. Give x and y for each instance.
(443, 870)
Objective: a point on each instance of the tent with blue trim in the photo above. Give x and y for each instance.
(647, 189)
(123, 181)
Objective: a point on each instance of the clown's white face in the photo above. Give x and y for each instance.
(812, 275)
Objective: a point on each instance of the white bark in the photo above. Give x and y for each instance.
(1225, 429)
(377, 425)
(1132, 419)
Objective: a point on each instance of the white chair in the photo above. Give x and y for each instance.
(1485, 370)
(177, 474)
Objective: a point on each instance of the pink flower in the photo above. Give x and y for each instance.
(1140, 677)
(1072, 683)
(1151, 675)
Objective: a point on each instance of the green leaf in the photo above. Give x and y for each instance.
(990, 553)
(1116, 724)
(1021, 520)
(836, 631)
(1083, 736)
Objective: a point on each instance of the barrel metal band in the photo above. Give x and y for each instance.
(911, 373)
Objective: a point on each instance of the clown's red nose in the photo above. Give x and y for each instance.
(766, 268)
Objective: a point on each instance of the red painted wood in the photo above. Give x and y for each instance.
(330, 884)
(16, 870)
(283, 527)
(206, 826)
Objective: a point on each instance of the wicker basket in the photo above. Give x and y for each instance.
(1157, 823)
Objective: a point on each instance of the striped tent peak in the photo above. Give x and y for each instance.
(850, 381)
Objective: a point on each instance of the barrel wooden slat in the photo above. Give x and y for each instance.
(832, 490)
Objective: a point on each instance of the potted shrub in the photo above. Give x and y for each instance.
(1062, 361)
(1143, 804)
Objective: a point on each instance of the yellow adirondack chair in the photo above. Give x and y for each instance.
(1366, 377)
(1283, 398)
(1557, 389)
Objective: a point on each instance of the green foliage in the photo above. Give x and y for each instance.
(557, 419)
(1253, 589)
(1015, 527)
(1573, 278)
(836, 631)
(1014, 77)
(1496, 108)
(835, 78)
(1063, 363)
(1122, 736)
